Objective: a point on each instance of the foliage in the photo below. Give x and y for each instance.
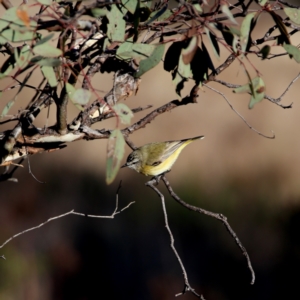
(127, 38)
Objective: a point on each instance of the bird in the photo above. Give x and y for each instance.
(155, 159)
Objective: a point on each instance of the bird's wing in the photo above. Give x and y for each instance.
(171, 147)
(167, 149)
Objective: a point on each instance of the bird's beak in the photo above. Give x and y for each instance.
(125, 165)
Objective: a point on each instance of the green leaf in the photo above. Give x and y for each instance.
(256, 88)
(49, 74)
(123, 112)
(45, 2)
(161, 15)
(7, 107)
(115, 153)
(265, 51)
(24, 58)
(150, 62)
(15, 36)
(51, 62)
(262, 2)
(130, 5)
(293, 14)
(13, 29)
(226, 11)
(183, 73)
(81, 96)
(245, 30)
(99, 12)
(6, 73)
(116, 25)
(293, 51)
(70, 89)
(129, 50)
(198, 7)
(47, 50)
(45, 39)
(256, 99)
(78, 97)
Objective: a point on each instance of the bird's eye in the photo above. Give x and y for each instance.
(130, 158)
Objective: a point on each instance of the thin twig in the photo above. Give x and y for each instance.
(217, 216)
(187, 286)
(71, 212)
(244, 120)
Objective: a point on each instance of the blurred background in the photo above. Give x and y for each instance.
(252, 180)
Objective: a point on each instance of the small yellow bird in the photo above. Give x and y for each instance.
(157, 158)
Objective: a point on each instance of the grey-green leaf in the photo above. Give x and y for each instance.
(293, 14)
(47, 50)
(49, 74)
(226, 11)
(150, 62)
(130, 5)
(115, 153)
(7, 107)
(293, 51)
(123, 112)
(245, 30)
(81, 96)
(116, 24)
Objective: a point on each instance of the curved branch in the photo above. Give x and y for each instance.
(217, 216)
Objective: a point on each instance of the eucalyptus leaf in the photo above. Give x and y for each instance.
(130, 50)
(293, 51)
(150, 62)
(182, 74)
(245, 30)
(51, 62)
(256, 87)
(130, 5)
(47, 50)
(99, 12)
(226, 11)
(81, 96)
(161, 15)
(7, 107)
(115, 153)
(45, 39)
(45, 2)
(123, 112)
(16, 36)
(24, 57)
(116, 24)
(49, 74)
(293, 14)
(262, 2)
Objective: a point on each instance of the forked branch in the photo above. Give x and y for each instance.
(217, 216)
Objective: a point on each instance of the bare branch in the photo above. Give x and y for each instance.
(217, 216)
(72, 212)
(187, 286)
(244, 120)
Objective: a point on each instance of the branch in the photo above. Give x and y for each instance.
(244, 120)
(187, 286)
(72, 212)
(217, 216)
(167, 107)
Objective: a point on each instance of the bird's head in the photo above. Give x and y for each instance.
(134, 161)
